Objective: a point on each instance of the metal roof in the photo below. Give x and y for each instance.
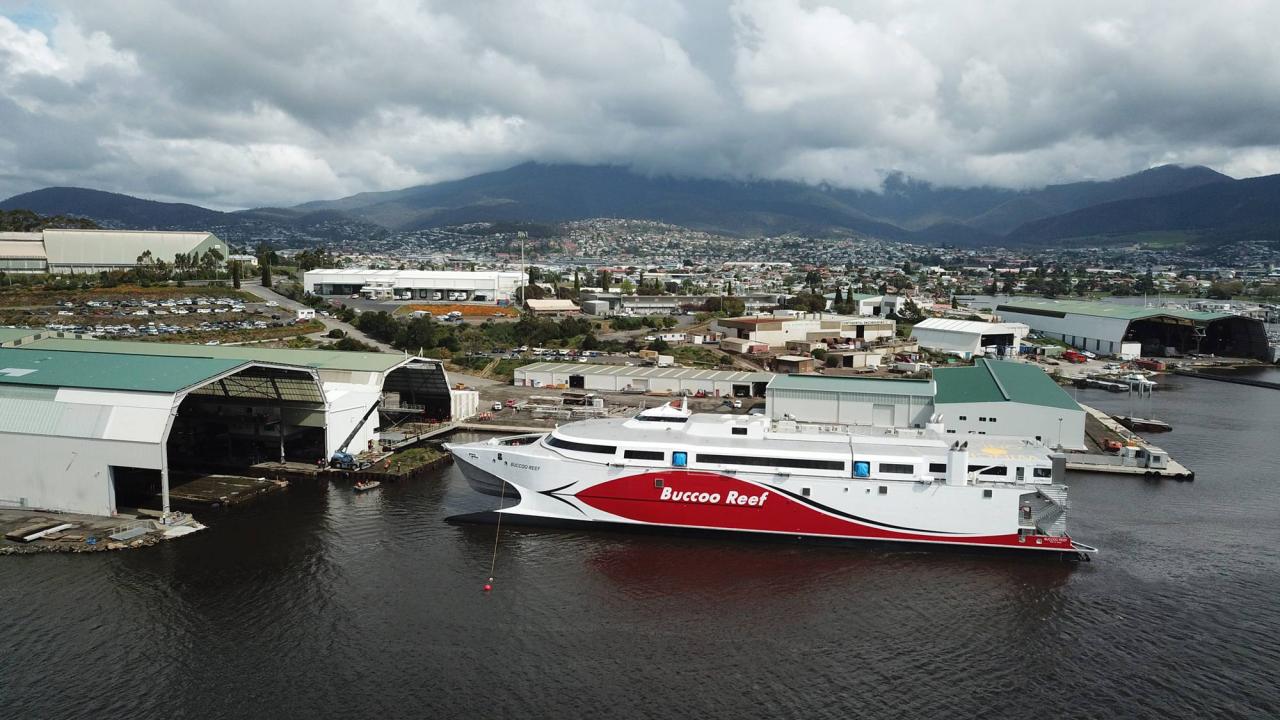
(838, 383)
(1000, 381)
(319, 359)
(971, 327)
(648, 372)
(1039, 306)
(8, 335)
(122, 247)
(107, 371)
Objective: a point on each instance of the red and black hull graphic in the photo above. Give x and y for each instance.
(695, 499)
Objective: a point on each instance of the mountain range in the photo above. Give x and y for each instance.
(1194, 202)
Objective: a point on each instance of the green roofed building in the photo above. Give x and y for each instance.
(91, 426)
(997, 397)
(1128, 331)
(992, 397)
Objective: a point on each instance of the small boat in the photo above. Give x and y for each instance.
(1138, 381)
(364, 485)
(1138, 424)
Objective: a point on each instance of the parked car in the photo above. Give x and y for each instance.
(496, 406)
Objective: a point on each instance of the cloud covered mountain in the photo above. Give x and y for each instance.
(1194, 199)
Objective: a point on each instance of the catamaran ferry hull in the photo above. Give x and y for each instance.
(556, 491)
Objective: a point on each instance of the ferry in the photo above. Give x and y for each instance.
(666, 467)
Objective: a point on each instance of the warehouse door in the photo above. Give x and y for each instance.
(577, 382)
(882, 415)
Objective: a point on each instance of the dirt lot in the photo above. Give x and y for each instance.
(468, 311)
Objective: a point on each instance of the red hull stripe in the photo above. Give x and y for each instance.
(692, 498)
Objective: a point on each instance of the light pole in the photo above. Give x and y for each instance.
(1059, 434)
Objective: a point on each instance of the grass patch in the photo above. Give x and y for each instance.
(695, 355)
(410, 459)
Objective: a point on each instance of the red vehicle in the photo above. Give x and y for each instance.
(1073, 356)
(1147, 364)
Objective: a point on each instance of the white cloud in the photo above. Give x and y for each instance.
(287, 101)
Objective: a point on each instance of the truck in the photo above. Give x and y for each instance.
(1072, 356)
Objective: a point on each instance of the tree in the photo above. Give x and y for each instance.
(266, 275)
(234, 267)
(807, 301)
(532, 292)
(604, 280)
(1146, 283)
(627, 287)
(659, 345)
(589, 342)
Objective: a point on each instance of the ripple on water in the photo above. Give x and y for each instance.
(320, 602)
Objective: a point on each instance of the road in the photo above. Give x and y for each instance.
(330, 323)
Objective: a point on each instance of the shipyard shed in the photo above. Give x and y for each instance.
(995, 397)
(624, 378)
(1105, 328)
(85, 432)
(878, 402)
(992, 397)
(363, 390)
(968, 338)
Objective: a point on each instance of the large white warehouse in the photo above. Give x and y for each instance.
(967, 338)
(1104, 328)
(429, 285)
(86, 251)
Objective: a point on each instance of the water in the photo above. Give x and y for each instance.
(320, 603)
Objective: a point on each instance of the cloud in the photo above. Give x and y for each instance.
(239, 104)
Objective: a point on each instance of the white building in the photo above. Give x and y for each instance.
(782, 326)
(87, 251)
(428, 285)
(1017, 399)
(991, 397)
(1107, 328)
(967, 338)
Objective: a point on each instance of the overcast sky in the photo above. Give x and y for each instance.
(258, 102)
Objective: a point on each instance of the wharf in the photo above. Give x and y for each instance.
(1228, 378)
(1100, 427)
(215, 490)
(90, 533)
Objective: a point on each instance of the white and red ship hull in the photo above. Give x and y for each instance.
(550, 488)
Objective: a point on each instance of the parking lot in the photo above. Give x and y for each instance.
(109, 315)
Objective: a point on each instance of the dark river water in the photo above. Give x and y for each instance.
(321, 604)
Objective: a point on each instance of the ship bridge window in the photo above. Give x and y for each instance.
(772, 462)
(563, 444)
(659, 418)
(644, 455)
(1042, 472)
(897, 468)
(937, 467)
(739, 431)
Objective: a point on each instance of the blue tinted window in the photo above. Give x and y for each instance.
(861, 468)
(679, 458)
